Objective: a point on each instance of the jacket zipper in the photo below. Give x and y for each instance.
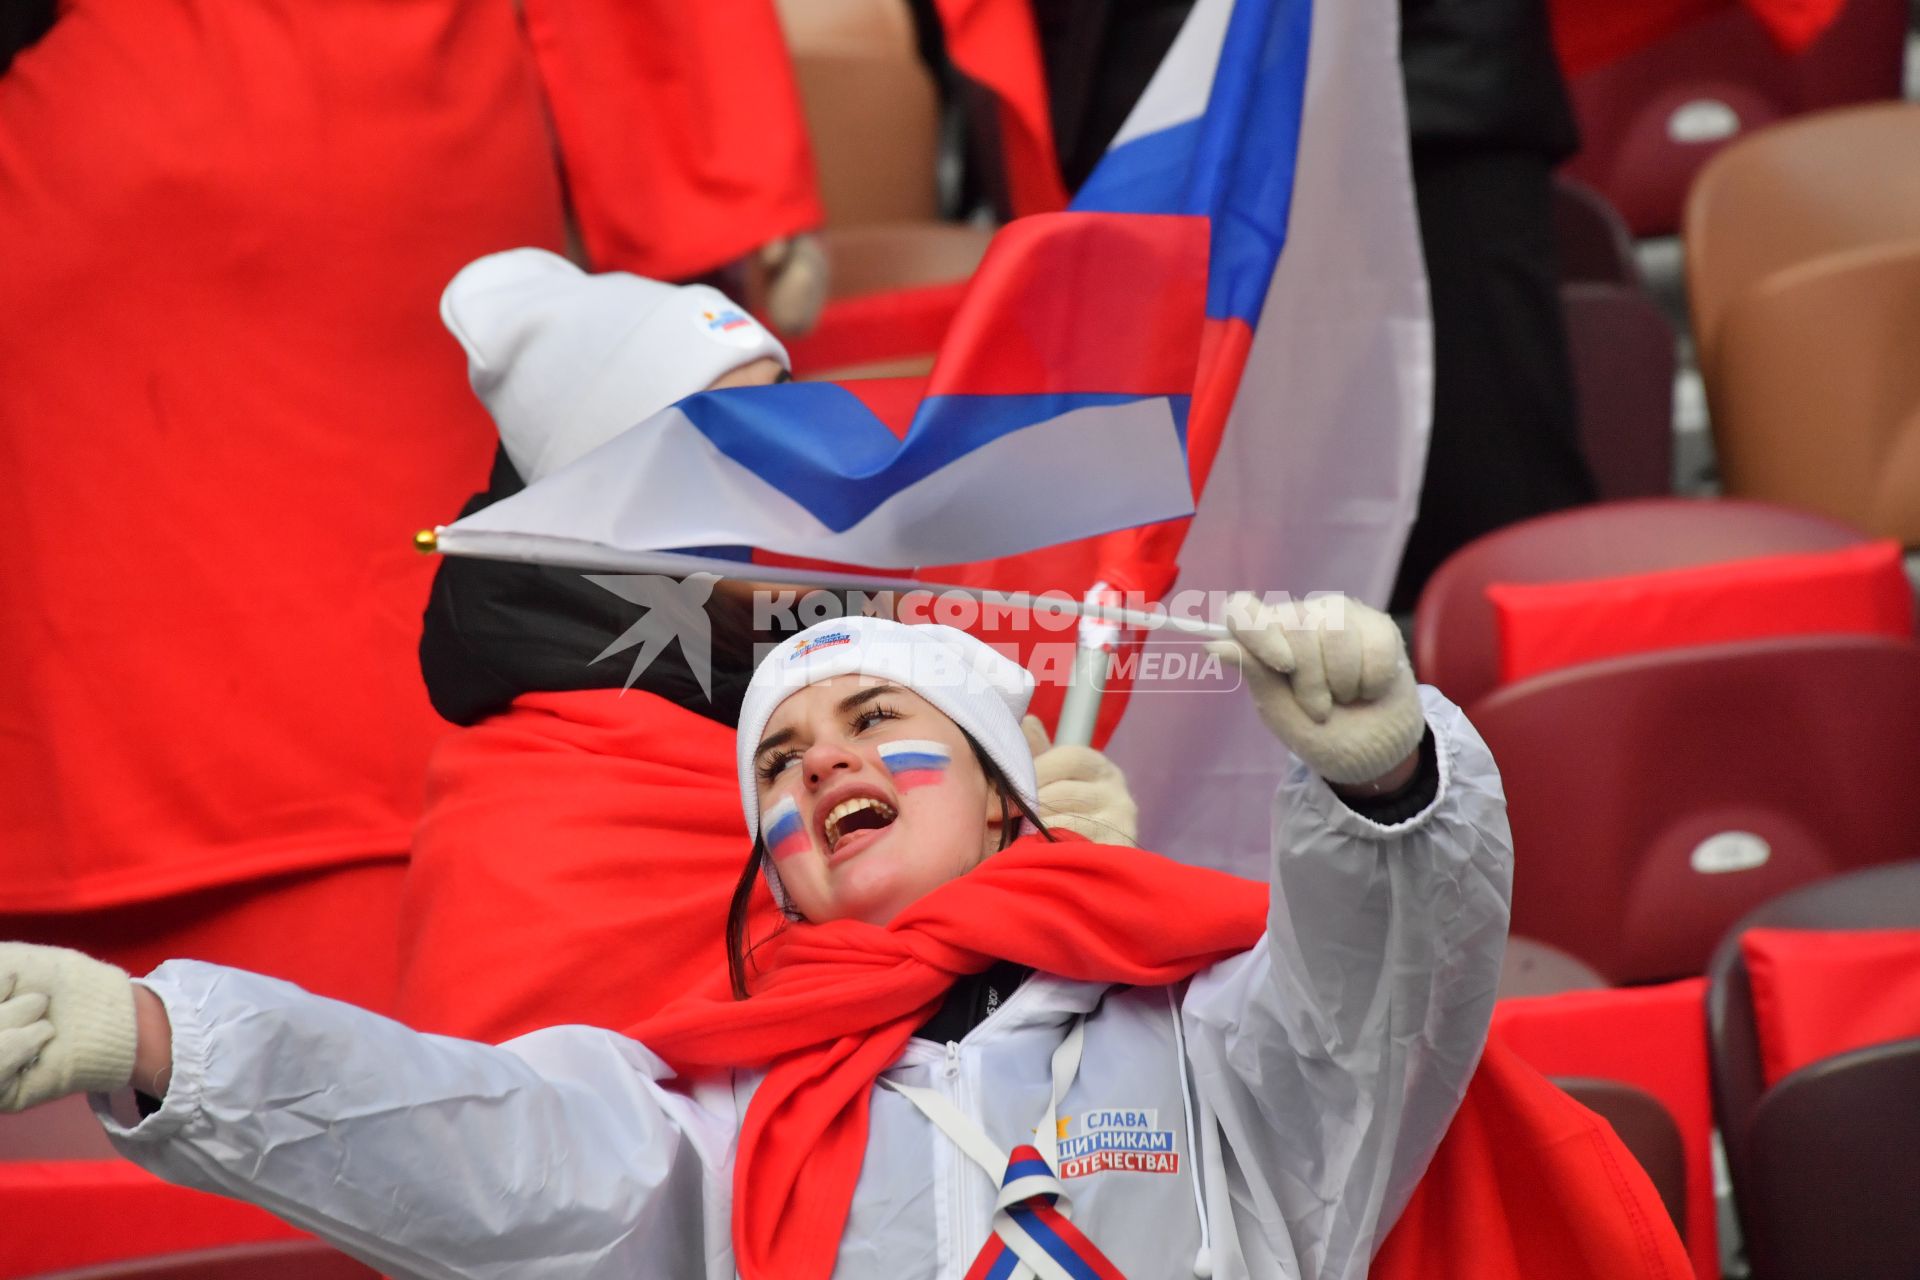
(955, 1266)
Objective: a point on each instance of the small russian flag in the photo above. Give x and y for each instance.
(914, 763)
(785, 834)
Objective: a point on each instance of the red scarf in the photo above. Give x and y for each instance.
(1528, 1183)
(836, 1004)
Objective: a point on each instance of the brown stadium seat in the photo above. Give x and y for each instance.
(1456, 645)
(1655, 799)
(1815, 389)
(1803, 190)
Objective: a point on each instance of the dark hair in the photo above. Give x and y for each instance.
(740, 951)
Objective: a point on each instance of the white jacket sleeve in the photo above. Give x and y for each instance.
(557, 1154)
(1333, 1055)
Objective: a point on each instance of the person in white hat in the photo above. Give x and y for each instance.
(1169, 1071)
(600, 792)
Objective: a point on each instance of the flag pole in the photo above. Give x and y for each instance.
(598, 558)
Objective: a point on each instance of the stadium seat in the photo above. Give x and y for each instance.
(1658, 797)
(63, 1130)
(1649, 1131)
(282, 1260)
(1794, 193)
(1833, 1168)
(895, 270)
(894, 290)
(1882, 897)
(1455, 636)
(1530, 968)
(1622, 349)
(1649, 121)
(1814, 388)
(1592, 242)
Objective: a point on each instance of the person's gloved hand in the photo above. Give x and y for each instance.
(1331, 679)
(66, 1025)
(1081, 790)
(796, 285)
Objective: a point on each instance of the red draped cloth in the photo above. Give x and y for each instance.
(226, 399)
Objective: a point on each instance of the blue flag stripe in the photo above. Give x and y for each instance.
(1234, 164)
(818, 444)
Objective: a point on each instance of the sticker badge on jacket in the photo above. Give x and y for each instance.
(1116, 1139)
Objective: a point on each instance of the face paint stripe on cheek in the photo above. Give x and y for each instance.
(785, 834)
(915, 763)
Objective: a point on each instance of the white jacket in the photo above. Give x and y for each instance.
(1314, 1075)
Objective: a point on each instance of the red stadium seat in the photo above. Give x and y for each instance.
(1622, 349)
(1456, 644)
(1658, 797)
(1650, 120)
(283, 1260)
(1876, 898)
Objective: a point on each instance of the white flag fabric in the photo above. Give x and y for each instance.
(1319, 472)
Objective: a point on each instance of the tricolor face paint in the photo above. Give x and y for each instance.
(786, 833)
(915, 762)
(853, 825)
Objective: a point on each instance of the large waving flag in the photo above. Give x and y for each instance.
(1243, 268)
(1060, 404)
(1057, 410)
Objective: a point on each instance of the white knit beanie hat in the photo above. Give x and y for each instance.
(565, 361)
(976, 687)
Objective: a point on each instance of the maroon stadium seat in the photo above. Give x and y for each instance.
(1456, 643)
(1649, 121)
(1657, 798)
(1593, 243)
(280, 1260)
(1647, 1128)
(1833, 1178)
(1530, 968)
(1792, 195)
(1885, 897)
(1623, 358)
(63, 1130)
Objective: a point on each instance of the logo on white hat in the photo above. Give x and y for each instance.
(730, 325)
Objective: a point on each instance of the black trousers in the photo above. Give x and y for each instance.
(1505, 443)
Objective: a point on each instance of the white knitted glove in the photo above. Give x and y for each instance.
(796, 282)
(1330, 677)
(66, 1025)
(1081, 790)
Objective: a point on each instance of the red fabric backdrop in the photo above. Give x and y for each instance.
(225, 402)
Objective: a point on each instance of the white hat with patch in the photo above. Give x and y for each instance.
(565, 361)
(974, 685)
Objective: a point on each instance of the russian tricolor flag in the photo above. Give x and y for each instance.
(1081, 388)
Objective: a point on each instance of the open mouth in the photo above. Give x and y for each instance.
(860, 813)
